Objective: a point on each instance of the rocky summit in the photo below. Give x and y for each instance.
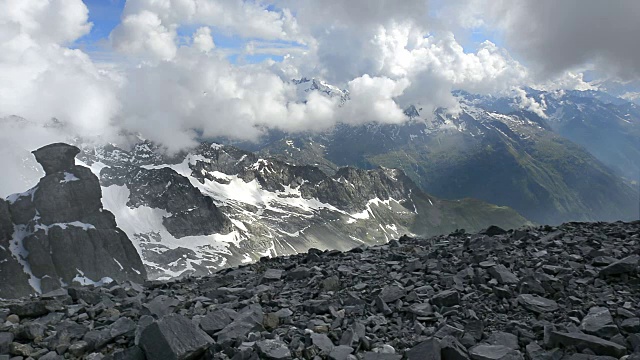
(58, 234)
(544, 293)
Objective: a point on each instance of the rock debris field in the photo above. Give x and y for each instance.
(546, 293)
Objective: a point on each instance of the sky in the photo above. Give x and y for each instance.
(172, 70)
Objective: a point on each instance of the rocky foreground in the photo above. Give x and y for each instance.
(547, 293)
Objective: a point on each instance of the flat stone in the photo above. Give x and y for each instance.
(215, 321)
(273, 349)
(452, 349)
(391, 293)
(272, 275)
(446, 298)
(631, 325)
(323, 342)
(537, 304)
(494, 352)
(6, 338)
(503, 275)
(174, 337)
(370, 355)
(426, 350)
(599, 322)
(597, 345)
(340, 352)
(503, 338)
(623, 266)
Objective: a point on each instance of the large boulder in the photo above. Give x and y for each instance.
(56, 157)
(65, 235)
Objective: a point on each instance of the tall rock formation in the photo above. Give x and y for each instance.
(59, 234)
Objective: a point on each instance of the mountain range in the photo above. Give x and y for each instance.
(552, 156)
(218, 206)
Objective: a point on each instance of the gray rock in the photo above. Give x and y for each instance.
(215, 321)
(161, 306)
(426, 350)
(122, 326)
(273, 350)
(56, 157)
(599, 322)
(370, 355)
(503, 275)
(299, 273)
(132, 353)
(340, 352)
(537, 304)
(494, 352)
(6, 338)
(323, 342)
(249, 319)
(452, 349)
(631, 325)
(503, 338)
(596, 344)
(391, 293)
(51, 355)
(332, 283)
(624, 266)
(446, 298)
(272, 274)
(71, 220)
(174, 337)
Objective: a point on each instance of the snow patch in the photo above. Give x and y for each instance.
(68, 177)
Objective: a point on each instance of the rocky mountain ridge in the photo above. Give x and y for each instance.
(569, 292)
(216, 206)
(57, 233)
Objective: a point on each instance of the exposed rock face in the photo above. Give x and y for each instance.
(62, 233)
(14, 282)
(190, 212)
(56, 157)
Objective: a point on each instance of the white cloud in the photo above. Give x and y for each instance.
(202, 39)
(556, 36)
(387, 54)
(46, 21)
(40, 78)
(143, 34)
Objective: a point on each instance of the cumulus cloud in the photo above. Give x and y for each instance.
(174, 88)
(152, 24)
(554, 36)
(143, 34)
(40, 78)
(202, 39)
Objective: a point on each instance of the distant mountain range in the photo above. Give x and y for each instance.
(552, 156)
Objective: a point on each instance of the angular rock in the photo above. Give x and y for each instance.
(6, 338)
(426, 350)
(446, 298)
(503, 275)
(174, 337)
(598, 345)
(273, 350)
(494, 352)
(215, 321)
(503, 338)
(599, 322)
(452, 349)
(537, 304)
(391, 293)
(623, 266)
